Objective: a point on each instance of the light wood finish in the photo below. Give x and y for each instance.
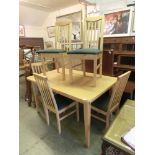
(80, 90)
(62, 41)
(115, 99)
(39, 67)
(49, 101)
(93, 30)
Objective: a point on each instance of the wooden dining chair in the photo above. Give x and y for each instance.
(105, 105)
(93, 47)
(58, 104)
(39, 67)
(62, 45)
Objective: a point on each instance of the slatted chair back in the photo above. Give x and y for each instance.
(118, 91)
(93, 32)
(46, 92)
(39, 67)
(63, 34)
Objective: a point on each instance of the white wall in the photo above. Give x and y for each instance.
(34, 31)
(51, 19)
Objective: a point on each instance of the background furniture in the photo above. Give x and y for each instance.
(33, 44)
(80, 91)
(55, 103)
(118, 57)
(92, 50)
(124, 121)
(107, 105)
(62, 45)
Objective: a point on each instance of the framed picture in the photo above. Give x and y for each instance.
(118, 23)
(51, 31)
(21, 31)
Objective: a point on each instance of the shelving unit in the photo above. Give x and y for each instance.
(118, 57)
(122, 54)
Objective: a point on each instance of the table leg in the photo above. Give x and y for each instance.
(28, 94)
(87, 117)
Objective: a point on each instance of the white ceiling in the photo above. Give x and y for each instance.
(48, 5)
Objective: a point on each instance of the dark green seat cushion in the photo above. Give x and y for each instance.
(62, 101)
(49, 51)
(102, 102)
(85, 51)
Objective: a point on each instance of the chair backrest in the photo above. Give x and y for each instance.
(46, 92)
(63, 34)
(93, 32)
(118, 90)
(39, 67)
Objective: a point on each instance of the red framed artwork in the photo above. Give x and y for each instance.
(118, 23)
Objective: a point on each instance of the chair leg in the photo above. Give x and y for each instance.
(63, 67)
(57, 65)
(83, 67)
(46, 115)
(107, 121)
(58, 123)
(95, 70)
(70, 70)
(100, 65)
(77, 111)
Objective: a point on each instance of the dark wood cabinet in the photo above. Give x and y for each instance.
(32, 42)
(118, 57)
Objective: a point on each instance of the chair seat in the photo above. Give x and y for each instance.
(102, 102)
(85, 51)
(49, 51)
(62, 101)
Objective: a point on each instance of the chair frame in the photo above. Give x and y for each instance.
(49, 102)
(113, 105)
(62, 41)
(92, 25)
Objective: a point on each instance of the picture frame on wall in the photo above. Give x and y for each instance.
(21, 31)
(118, 23)
(51, 31)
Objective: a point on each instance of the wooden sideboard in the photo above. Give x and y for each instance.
(32, 42)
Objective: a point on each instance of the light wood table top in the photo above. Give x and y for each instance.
(82, 89)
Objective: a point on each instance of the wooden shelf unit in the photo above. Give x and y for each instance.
(118, 57)
(122, 52)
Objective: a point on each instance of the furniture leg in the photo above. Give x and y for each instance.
(101, 65)
(87, 110)
(70, 70)
(95, 70)
(28, 94)
(77, 111)
(35, 90)
(63, 67)
(83, 67)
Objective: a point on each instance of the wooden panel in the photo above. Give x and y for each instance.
(128, 40)
(31, 42)
(113, 40)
